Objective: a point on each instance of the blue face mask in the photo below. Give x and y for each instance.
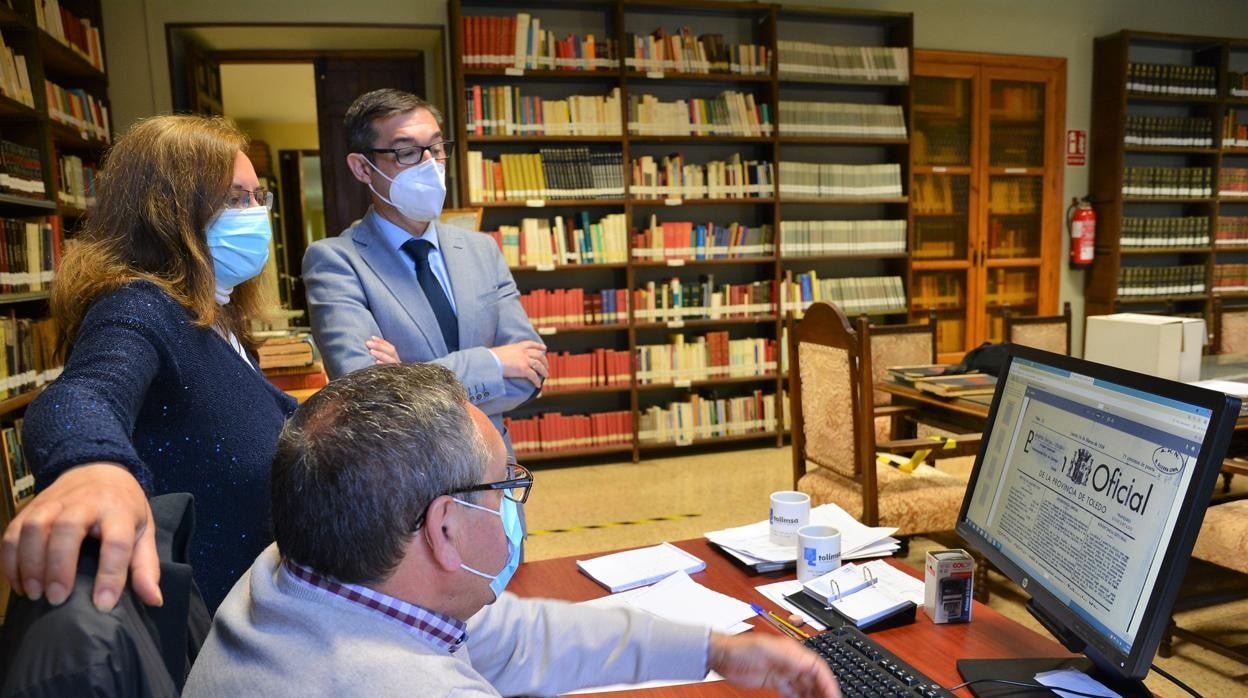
(238, 239)
(510, 515)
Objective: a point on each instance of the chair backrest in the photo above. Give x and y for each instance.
(1047, 332)
(1230, 328)
(832, 423)
(901, 345)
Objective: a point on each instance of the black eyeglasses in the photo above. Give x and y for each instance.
(413, 154)
(516, 488)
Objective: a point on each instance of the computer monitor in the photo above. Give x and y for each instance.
(1088, 491)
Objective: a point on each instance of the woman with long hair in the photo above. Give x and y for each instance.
(160, 392)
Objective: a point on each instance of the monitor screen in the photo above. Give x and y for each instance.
(1089, 490)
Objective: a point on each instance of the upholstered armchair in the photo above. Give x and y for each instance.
(898, 345)
(834, 444)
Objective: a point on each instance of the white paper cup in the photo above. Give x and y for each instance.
(818, 551)
(789, 512)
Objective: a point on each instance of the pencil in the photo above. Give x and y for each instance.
(800, 633)
(779, 624)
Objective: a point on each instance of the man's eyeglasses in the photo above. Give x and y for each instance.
(242, 198)
(516, 488)
(413, 154)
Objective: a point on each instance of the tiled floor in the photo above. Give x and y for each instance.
(587, 509)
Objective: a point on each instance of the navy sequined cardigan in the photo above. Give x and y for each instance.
(177, 406)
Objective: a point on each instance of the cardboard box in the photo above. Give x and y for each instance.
(948, 585)
(1157, 345)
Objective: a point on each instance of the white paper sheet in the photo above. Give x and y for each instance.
(755, 539)
(1075, 681)
(678, 598)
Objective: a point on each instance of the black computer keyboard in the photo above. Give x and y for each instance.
(866, 669)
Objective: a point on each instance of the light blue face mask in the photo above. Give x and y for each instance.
(510, 516)
(238, 239)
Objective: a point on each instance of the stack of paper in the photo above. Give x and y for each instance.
(751, 544)
(1234, 388)
(638, 568)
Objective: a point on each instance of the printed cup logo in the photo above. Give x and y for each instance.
(1168, 460)
(781, 519)
(810, 556)
(827, 557)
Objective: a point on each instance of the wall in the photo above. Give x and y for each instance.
(1063, 28)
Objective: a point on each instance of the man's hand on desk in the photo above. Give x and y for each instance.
(756, 660)
(525, 359)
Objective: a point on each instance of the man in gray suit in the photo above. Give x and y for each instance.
(399, 286)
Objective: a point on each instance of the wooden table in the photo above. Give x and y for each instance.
(932, 649)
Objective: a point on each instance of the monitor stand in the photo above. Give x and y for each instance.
(1025, 670)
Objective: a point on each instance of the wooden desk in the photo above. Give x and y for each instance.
(932, 649)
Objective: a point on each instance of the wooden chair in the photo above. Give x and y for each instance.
(466, 218)
(1047, 332)
(1230, 328)
(898, 345)
(834, 444)
(1223, 541)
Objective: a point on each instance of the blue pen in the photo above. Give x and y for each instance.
(781, 624)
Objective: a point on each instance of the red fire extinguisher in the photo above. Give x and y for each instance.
(1081, 221)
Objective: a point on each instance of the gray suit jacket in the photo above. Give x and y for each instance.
(358, 286)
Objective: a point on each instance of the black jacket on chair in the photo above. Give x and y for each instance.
(134, 650)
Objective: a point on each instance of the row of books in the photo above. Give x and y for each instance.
(1016, 145)
(936, 291)
(1231, 231)
(694, 241)
(19, 481)
(1230, 278)
(807, 60)
(1233, 181)
(79, 109)
(28, 358)
(1237, 84)
(731, 113)
(1234, 134)
(1179, 231)
(555, 431)
(21, 170)
(600, 368)
(77, 181)
(817, 238)
(552, 173)
(672, 178)
(1161, 281)
(551, 309)
(681, 52)
(701, 418)
(863, 294)
(705, 358)
(1169, 79)
(940, 195)
(1015, 195)
(675, 301)
(1013, 237)
(30, 251)
(938, 144)
(14, 76)
(1014, 287)
(841, 119)
(1167, 181)
(1186, 132)
(518, 41)
(502, 110)
(78, 33)
(1015, 101)
(810, 179)
(541, 243)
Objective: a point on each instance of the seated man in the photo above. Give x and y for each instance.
(396, 520)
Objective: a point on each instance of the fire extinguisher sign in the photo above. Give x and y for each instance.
(1076, 148)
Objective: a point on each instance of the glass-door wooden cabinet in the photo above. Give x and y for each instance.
(986, 215)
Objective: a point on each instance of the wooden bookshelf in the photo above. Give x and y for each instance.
(759, 24)
(1116, 100)
(985, 202)
(34, 126)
